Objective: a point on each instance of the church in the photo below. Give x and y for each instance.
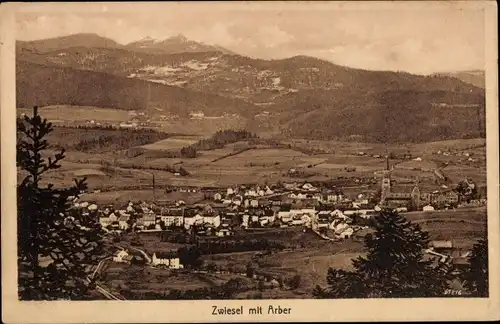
(394, 196)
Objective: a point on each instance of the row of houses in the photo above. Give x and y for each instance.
(169, 260)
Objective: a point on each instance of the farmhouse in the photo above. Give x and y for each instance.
(120, 256)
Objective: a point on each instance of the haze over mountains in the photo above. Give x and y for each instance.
(300, 96)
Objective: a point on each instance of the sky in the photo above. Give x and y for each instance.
(396, 38)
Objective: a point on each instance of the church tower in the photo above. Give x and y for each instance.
(386, 182)
(415, 195)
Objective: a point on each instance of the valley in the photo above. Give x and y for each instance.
(215, 175)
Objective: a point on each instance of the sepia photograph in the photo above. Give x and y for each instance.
(252, 158)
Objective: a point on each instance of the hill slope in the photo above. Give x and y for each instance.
(49, 85)
(87, 40)
(475, 77)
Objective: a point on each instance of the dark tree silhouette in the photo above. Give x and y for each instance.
(55, 247)
(476, 276)
(393, 267)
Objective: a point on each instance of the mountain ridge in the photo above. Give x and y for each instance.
(170, 45)
(302, 96)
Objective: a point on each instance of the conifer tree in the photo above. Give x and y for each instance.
(69, 242)
(476, 276)
(393, 267)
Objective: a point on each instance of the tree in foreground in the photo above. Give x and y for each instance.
(56, 249)
(476, 276)
(394, 266)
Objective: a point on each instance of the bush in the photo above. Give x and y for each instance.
(294, 282)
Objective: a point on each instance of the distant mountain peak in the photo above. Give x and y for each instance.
(179, 37)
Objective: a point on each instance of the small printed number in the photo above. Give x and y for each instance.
(453, 292)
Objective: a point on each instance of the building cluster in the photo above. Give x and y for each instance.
(168, 260)
(226, 210)
(412, 197)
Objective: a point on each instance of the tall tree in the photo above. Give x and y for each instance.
(476, 276)
(55, 247)
(393, 267)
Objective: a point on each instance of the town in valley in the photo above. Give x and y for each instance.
(212, 174)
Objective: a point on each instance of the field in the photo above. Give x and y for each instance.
(462, 226)
(69, 114)
(172, 143)
(222, 167)
(145, 279)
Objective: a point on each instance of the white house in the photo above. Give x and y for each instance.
(346, 233)
(285, 215)
(350, 212)
(123, 222)
(105, 221)
(337, 213)
(217, 196)
(212, 220)
(245, 220)
(170, 260)
(301, 195)
(318, 196)
(306, 219)
(229, 191)
(308, 186)
(119, 256)
(428, 208)
(237, 200)
(263, 221)
(332, 198)
(251, 193)
(223, 232)
(173, 216)
(254, 203)
(307, 211)
(149, 219)
(92, 207)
